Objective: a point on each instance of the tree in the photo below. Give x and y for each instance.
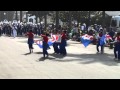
(64, 16)
(39, 14)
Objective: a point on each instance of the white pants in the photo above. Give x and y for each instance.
(14, 33)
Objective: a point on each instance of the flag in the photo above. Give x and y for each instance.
(40, 43)
(108, 37)
(86, 39)
(56, 38)
(103, 40)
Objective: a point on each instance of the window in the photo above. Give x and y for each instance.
(30, 20)
(114, 23)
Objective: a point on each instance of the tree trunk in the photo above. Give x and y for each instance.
(16, 15)
(103, 21)
(78, 16)
(20, 16)
(57, 19)
(0, 16)
(40, 18)
(70, 21)
(26, 17)
(37, 15)
(45, 22)
(36, 19)
(89, 18)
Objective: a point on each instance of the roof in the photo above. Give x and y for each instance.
(113, 13)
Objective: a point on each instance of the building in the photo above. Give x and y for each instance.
(113, 13)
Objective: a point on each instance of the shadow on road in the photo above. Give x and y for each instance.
(38, 52)
(43, 59)
(27, 54)
(106, 59)
(57, 56)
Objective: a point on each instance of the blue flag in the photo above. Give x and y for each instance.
(86, 40)
(40, 43)
(103, 40)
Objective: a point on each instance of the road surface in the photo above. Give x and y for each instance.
(80, 63)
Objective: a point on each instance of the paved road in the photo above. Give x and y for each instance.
(80, 63)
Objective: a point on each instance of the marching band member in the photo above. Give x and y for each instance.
(30, 40)
(98, 42)
(117, 47)
(63, 44)
(45, 44)
(55, 45)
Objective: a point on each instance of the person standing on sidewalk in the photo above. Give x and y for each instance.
(14, 31)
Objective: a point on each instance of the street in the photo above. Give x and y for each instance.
(80, 63)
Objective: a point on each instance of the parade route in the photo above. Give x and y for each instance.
(80, 63)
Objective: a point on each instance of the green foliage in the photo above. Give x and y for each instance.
(38, 13)
(80, 16)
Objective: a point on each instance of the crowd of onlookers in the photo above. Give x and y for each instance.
(20, 28)
(77, 30)
(93, 30)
